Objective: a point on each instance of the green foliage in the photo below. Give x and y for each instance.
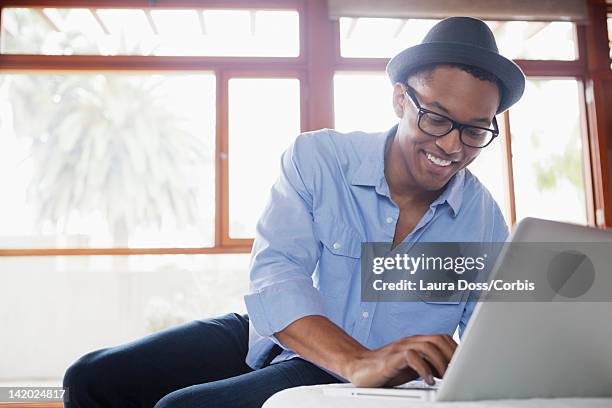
(567, 165)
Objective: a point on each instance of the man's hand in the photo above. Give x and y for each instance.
(402, 361)
(322, 342)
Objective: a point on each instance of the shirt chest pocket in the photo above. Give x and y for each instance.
(425, 317)
(339, 264)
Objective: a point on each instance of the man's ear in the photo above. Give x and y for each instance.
(398, 99)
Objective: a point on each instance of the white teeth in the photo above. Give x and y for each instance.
(438, 161)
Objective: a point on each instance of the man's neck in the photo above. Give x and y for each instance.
(402, 186)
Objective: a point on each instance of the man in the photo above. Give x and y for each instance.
(306, 322)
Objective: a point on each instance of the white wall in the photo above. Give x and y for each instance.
(55, 309)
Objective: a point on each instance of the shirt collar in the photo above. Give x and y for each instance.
(371, 172)
(453, 193)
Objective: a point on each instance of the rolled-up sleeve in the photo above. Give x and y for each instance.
(286, 251)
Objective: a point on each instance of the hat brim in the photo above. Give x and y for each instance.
(509, 74)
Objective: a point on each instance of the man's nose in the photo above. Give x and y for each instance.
(450, 143)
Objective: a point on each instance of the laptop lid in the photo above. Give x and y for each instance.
(530, 349)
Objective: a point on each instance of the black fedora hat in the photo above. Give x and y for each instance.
(462, 40)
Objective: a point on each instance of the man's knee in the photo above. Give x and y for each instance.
(169, 401)
(80, 372)
(179, 399)
(86, 378)
(218, 394)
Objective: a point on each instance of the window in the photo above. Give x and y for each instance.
(229, 103)
(384, 37)
(547, 152)
(362, 101)
(380, 37)
(107, 160)
(146, 152)
(262, 113)
(188, 32)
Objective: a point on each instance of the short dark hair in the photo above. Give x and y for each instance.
(425, 71)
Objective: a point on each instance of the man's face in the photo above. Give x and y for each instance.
(456, 94)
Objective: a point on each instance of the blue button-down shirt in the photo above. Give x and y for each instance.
(330, 196)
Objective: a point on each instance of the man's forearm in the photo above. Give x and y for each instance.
(322, 342)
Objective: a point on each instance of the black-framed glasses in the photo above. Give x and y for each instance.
(438, 125)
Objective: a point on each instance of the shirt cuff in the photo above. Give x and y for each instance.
(275, 307)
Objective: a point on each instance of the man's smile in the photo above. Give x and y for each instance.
(441, 167)
(438, 160)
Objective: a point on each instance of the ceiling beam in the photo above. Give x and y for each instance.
(202, 21)
(151, 21)
(351, 29)
(52, 23)
(94, 13)
(400, 27)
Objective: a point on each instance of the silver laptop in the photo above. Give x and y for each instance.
(524, 349)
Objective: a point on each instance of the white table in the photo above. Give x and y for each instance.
(312, 396)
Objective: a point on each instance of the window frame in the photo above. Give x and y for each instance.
(318, 60)
(224, 68)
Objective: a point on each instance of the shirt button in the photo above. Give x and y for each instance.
(336, 245)
(365, 315)
(389, 220)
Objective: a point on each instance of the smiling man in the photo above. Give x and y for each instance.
(306, 322)
(405, 185)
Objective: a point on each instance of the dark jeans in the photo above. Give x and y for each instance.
(194, 365)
